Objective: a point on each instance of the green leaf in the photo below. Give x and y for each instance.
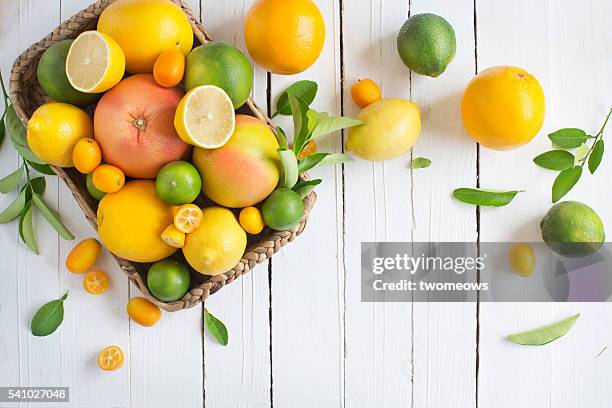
(38, 184)
(289, 168)
(568, 138)
(555, 160)
(300, 123)
(596, 156)
(2, 130)
(11, 181)
(309, 162)
(564, 182)
(304, 188)
(304, 90)
(581, 153)
(216, 328)
(52, 217)
(489, 198)
(49, 317)
(14, 209)
(420, 163)
(26, 228)
(17, 132)
(330, 124)
(546, 334)
(314, 118)
(42, 168)
(335, 159)
(281, 137)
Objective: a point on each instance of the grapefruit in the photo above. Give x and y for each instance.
(245, 170)
(134, 126)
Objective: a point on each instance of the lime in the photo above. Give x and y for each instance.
(426, 43)
(572, 229)
(283, 209)
(178, 183)
(168, 280)
(221, 64)
(93, 190)
(51, 73)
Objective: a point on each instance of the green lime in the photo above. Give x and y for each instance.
(221, 64)
(426, 43)
(168, 280)
(283, 209)
(51, 73)
(93, 190)
(572, 229)
(178, 183)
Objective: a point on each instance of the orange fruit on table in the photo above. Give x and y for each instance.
(187, 218)
(144, 29)
(143, 312)
(108, 178)
(284, 37)
(134, 126)
(83, 256)
(503, 107)
(110, 358)
(86, 155)
(169, 68)
(95, 282)
(365, 92)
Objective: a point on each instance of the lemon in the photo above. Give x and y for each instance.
(146, 28)
(205, 117)
(391, 128)
(95, 63)
(131, 222)
(218, 244)
(54, 129)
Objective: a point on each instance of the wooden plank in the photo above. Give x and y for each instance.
(244, 365)
(445, 333)
(306, 318)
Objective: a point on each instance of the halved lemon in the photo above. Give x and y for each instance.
(173, 237)
(187, 218)
(110, 358)
(95, 62)
(205, 117)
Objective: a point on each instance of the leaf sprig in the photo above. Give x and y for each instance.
(31, 194)
(570, 165)
(308, 125)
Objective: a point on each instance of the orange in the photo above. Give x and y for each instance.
(83, 256)
(110, 358)
(169, 68)
(365, 92)
(95, 282)
(284, 37)
(143, 312)
(308, 150)
(108, 178)
(503, 107)
(187, 218)
(86, 155)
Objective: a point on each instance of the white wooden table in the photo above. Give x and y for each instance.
(299, 335)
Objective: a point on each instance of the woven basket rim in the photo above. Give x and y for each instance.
(25, 93)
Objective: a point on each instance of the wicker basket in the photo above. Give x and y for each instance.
(27, 95)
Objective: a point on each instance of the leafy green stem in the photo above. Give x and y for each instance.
(597, 137)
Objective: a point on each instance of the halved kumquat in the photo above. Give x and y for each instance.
(187, 218)
(110, 358)
(95, 282)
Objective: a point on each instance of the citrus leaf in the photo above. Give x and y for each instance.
(304, 188)
(16, 130)
(281, 137)
(335, 159)
(309, 162)
(546, 334)
(216, 328)
(38, 185)
(596, 156)
(289, 168)
(52, 217)
(49, 317)
(11, 181)
(14, 209)
(489, 198)
(314, 118)
(300, 123)
(2, 130)
(555, 160)
(564, 182)
(304, 90)
(42, 168)
(568, 137)
(26, 228)
(332, 124)
(420, 163)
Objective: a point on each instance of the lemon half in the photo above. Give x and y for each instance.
(205, 117)
(95, 62)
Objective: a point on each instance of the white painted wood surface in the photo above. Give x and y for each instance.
(295, 341)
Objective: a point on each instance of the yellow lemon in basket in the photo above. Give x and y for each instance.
(54, 129)
(218, 244)
(131, 222)
(146, 28)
